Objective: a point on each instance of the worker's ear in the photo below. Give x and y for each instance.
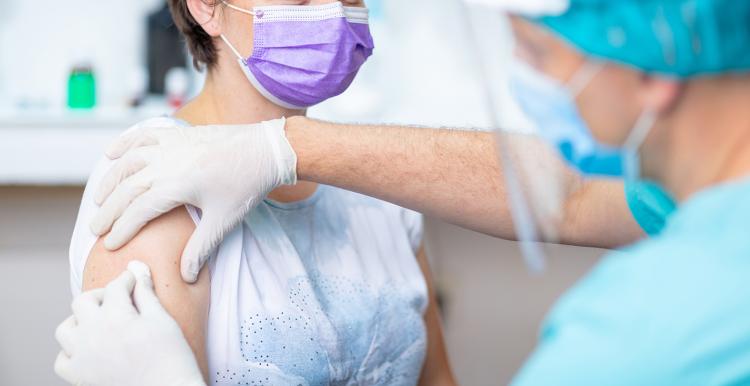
(660, 94)
(206, 14)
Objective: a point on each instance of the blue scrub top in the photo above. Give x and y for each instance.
(672, 310)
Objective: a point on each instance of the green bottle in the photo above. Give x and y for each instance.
(82, 88)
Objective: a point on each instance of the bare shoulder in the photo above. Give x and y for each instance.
(160, 246)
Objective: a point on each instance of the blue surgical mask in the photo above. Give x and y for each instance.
(551, 107)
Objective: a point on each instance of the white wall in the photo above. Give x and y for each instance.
(429, 69)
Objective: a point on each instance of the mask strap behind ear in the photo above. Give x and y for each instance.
(238, 9)
(231, 47)
(641, 129)
(583, 77)
(633, 143)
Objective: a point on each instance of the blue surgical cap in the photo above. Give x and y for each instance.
(678, 38)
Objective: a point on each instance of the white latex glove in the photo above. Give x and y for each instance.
(223, 170)
(113, 339)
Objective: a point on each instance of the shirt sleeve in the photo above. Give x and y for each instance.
(650, 204)
(595, 335)
(414, 224)
(83, 239)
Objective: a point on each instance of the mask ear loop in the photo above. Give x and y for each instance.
(635, 140)
(224, 38)
(236, 8)
(583, 77)
(231, 47)
(641, 129)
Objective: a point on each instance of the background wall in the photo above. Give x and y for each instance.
(42, 40)
(35, 295)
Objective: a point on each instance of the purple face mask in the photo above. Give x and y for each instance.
(303, 55)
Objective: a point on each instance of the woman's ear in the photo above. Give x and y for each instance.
(661, 94)
(204, 13)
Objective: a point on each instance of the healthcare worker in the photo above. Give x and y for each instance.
(643, 89)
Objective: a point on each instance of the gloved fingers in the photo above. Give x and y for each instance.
(64, 334)
(131, 140)
(117, 203)
(133, 162)
(204, 240)
(87, 304)
(64, 369)
(146, 207)
(117, 295)
(144, 296)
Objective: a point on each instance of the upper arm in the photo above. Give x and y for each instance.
(436, 370)
(160, 246)
(598, 215)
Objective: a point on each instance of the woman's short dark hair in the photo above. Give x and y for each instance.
(200, 43)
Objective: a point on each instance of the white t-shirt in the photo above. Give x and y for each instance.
(317, 292)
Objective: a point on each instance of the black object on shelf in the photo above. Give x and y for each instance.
(166, 48)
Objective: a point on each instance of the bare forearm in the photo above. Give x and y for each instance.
(449, 174)
(455, 176)
(598, 215)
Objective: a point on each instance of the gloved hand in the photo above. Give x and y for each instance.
(223, 170)
(113, 339)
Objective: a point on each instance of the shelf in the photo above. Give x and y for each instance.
(59, 148)
(53, 156)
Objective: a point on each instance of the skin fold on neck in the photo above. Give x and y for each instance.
(706, 140)
(227, 98)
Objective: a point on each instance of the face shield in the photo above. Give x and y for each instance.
(538, 181)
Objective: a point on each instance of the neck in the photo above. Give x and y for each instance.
(708, 142)
(228, 98)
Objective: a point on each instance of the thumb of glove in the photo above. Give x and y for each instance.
(144, 296)
(207, 236)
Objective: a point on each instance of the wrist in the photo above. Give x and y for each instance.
(283, 153)
(297, 134)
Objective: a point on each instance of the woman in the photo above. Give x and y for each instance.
(317, 286)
